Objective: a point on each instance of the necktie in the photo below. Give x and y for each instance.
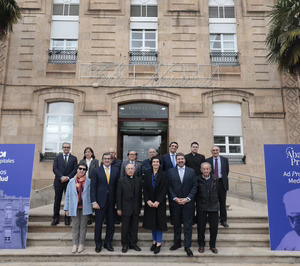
(173, 160)
(65, 161)
(216, 168)
(107, 174)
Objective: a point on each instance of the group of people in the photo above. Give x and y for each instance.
(114, 188)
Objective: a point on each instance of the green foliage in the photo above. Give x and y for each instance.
(283, 39)
(10, 12)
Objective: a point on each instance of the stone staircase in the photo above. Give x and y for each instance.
(246, 241)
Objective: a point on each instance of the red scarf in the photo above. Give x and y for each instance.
(80, 183)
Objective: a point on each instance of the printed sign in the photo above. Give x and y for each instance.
(16, 169)
(283, 186)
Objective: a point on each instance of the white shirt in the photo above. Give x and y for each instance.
(181, 171)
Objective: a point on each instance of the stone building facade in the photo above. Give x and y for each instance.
(202, 61)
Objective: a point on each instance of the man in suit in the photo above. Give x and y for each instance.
(132, 159)
(146, 164)
(115, 162)
(220, 168)
(182, 190)
(129, 202)
(169, 159)
(103, 197)
(64, 168)
(195, 159)
(207, 207)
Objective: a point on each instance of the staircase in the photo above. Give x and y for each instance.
(246, 241)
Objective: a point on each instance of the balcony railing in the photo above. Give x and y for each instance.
(143, 58)
(224, 59)
(62, 57)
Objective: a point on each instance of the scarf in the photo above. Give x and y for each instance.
(80, 183)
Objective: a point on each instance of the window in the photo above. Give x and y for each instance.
(65, 9)
(58, 126)
(143, 11)
(143, 40)
(60, 44)
(222, 43)
(228, 128)
(7, 236)
(8, 213)
(221, 12)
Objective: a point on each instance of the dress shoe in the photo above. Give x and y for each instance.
(214, 250)
(67, 221)
(153, 247)
(90, 221)
(174, 247)
(74, 249)
(109, 247)
(55, 222)
(188, 251)
(157, 249)
(135, 247)
(201, 249)
(80, 249)
(225, 224)
(124, 249)
(98, 249)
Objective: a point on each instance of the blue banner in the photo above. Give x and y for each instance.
(16, 170)
(283, 186)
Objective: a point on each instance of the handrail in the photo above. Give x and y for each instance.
(38, 190)
(257, 177)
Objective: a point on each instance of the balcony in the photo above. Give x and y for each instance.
(224, 59)
(62, 57)
(143, 57)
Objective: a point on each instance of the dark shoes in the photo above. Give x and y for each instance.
(109, 247)
(157, 249)
(224, 223)
(90, 221)
(124, 249)
(188, 251)
(174, 247)
(214, 250)
(55, 221)
(201, 249)
(135, 247)
(98, 249)
(153, 247)
(67, 220)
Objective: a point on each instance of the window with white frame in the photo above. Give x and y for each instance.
(223, 43)
(143, 40)
(7, 236)
(8, 213)
(228, 128)
(66, 8)
(223, 10)
(64, 44)
(143, 10)
(59, 123)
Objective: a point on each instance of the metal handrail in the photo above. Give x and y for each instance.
(143, 57)
(224, 58)
(62, 57)
(257, 177)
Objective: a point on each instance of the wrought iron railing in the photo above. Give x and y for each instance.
(143, 58)
(62, 57)
(224, 59)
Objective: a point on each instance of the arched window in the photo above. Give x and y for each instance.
(8, 212)
(228, 128)
(59, 121)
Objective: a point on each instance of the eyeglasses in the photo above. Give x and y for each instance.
(82, 169)
(66, 147)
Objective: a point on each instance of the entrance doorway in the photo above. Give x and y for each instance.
(142, 126)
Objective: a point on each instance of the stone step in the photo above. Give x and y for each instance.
(227, 255)
(145, 240)
(234, 228)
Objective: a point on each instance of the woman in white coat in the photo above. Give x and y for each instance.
(78, 206)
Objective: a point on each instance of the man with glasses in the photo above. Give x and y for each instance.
(132, 159)
(64, 168)
(220, 167)
(103, 197)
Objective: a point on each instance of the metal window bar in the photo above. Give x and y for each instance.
(62, 57)
(143, 58)
(224, 58)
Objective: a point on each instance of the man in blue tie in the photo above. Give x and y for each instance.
(169, 159)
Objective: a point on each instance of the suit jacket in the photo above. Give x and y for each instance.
(195, 161)
(146, 166)
(94, 164)
(188, 188)
(129, 200)
(166, 162)
(101, 191)
(224, 170)
(71, 202)
(138, 169)
(60, 170)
